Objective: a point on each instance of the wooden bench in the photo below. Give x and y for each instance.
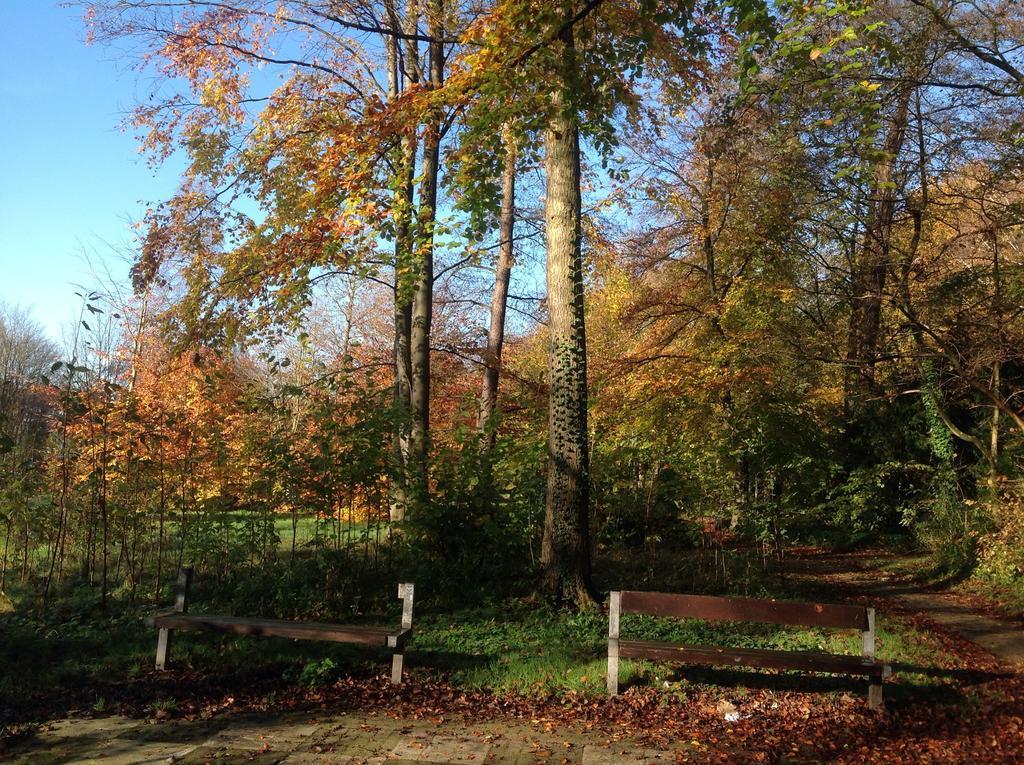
(746, 610)
(179, 619)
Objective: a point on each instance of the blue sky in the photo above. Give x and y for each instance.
(70, 180)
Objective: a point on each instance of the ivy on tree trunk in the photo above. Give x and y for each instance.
(565, 551)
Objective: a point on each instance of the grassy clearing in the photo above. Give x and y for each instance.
(79, 656)
(526, 650)
(301, 532)
(515, 647)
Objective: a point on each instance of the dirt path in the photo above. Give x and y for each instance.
(1002, 638)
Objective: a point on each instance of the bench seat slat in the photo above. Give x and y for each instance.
(338, 633)
(752, 657)
(745, 610)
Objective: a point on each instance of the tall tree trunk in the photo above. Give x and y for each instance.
(138, 343)
(997, 375)
(707, 239)
(7, 545)
(400, 77)
(24, 554)
(499, 299)
(57, 559)
(565, 550)
(993, 431)
(871, 268)
(423, 299)
(104, 511)
(403, 402)
(160, 538)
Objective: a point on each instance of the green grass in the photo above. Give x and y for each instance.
(526, 650)
(920, 566)
(1008, 599)
(515, 647)
(307, 528)
(75, 653)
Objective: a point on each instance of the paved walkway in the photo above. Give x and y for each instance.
(352, 739)
(1003, 639)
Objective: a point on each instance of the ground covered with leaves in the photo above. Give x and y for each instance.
(948, 701)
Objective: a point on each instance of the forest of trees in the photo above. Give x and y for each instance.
(486, 290)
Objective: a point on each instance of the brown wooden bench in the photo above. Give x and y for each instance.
(746, 610)
(179, 619)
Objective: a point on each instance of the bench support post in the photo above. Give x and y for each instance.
(163, 641)
(405, 592)
(162, 645)
(396, 668)
(868, 652)
(614, 609)
(875, 693)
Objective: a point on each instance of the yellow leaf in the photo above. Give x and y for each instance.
(815, 52)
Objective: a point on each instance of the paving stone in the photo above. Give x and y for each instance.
(302, 740)
(317, 758)
(225, 756)
(361, 740)
(618, 754)
(114, 740)
(442, 748)
(258, 733)
(104, 728)
(127, 752)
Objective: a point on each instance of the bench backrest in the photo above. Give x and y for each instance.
(743, 610)
(184, 585)
(405, 594)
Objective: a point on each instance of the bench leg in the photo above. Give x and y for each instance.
(614, 611)
(163, 644)
(181, 588)
(875, 693)
(613, 675)
(396, 668)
